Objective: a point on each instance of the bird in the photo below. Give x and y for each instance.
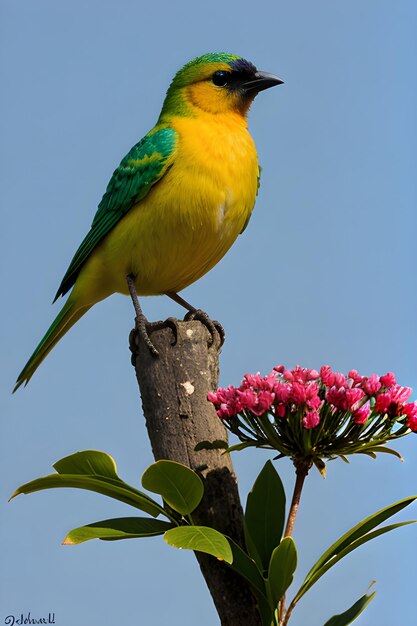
(176, 203)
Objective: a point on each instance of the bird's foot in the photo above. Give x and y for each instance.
(213, 326)
(172, 323)
(143, 328)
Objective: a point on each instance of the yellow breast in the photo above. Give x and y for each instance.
(191, 217)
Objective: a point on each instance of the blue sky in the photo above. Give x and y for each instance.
(325, 273)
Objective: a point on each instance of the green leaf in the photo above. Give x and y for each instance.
(179, 486)
(372, 535)
(246, 567)
(265, 515)
(361, 529)
(367, 452)
(321, 466)
(96, 466)
(386, 450)
(118, 528)
(356, 536)
(88, 462)
(115, 489)
(281, 569)
(264, 610)
(202, 539)
(352, 613)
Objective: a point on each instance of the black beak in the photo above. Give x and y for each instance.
(259, 82)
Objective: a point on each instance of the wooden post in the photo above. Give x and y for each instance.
(174, 389)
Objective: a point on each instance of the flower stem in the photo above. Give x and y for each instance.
(288, 613)
(302, 467)
(301, 470)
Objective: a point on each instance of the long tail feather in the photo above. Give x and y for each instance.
(66, 318)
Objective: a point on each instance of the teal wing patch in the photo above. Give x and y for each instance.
(141, 168)
(259, 179)
(257, 190)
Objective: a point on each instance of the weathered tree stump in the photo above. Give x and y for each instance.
(174, 388)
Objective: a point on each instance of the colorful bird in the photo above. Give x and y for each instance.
(177, 201)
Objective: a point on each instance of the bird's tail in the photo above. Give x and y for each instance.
(66, 318)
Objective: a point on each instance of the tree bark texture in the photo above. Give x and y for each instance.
(174, 389)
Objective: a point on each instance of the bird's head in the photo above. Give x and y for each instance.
(216, 83)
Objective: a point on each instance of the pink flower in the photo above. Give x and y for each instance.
(354, 396)
(256, 401)
(300, 374)
(282, 392)
(382, 402)
(388, 380)
(332, 379)
(256, 381)
(325, 373)
(311, 419)
(355, 377)
(337, 397)
(225, 411)
(411, 411)
(393, 400)
(298, 393)
(344, 399)
(280, 410)
(287, 374)
(361, 415)
(340, 379)
(247, 399)
(251, 380)
(400, 395)
(371, 385)
(312, 396)
(412, 424)
(264, 401)
(226, 402)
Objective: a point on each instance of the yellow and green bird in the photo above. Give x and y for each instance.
(177, 201)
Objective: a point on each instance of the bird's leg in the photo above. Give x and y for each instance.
(174, 296)
(141, 322)
(212, 326)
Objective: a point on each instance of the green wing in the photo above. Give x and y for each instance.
(259, 179)
(257, 190)
(141, 168)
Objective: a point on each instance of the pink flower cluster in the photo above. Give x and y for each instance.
(285, 392)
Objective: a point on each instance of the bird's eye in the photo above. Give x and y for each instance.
(220, 78)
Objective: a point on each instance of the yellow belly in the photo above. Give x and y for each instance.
(188, 220)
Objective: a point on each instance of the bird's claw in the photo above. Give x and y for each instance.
(172, 323)
(143, 331)
(133, 345)
(142, 327)
(213, 326)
